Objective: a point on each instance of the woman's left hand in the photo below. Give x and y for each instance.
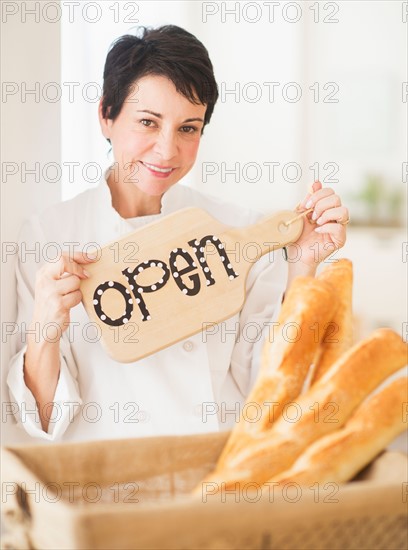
(324, 230)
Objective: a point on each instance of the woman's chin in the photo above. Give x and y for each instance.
(155, 188)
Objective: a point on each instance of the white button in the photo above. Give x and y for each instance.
(188, 345)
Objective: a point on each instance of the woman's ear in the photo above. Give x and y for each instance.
(105, 123)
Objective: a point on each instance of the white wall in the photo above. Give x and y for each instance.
(365, 53)
(30, 129)
(250, 126)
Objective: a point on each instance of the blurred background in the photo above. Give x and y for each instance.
(307, 90)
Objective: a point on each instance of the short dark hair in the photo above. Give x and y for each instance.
(168, 51)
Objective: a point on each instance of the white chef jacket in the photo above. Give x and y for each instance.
(196, 385)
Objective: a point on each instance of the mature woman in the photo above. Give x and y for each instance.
(159, 92)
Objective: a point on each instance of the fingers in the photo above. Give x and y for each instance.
(57, 288)
(70, 264)
(335, 231)
(316, 186)
(67, 284)
(84, 258)
(327, 216)
(326, 205)
(338, 215)
(67, 265)
(316, 192)
(315, 199)
(72, 299)
(68, 290)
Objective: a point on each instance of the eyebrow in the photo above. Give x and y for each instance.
(158, 115)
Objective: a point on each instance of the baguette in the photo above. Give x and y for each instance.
(338, 457)
(285, 364)
(324, 408)
(338, 337)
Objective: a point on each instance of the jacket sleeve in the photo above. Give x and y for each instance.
(22, 403)
(265, 288)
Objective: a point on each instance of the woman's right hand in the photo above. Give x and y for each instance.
(56, 292)
(57, 289)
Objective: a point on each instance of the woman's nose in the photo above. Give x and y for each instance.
(166, 145)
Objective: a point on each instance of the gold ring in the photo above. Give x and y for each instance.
(344, 223)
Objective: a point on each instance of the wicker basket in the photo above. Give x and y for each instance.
(128, 494)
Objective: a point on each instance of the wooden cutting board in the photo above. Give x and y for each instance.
(172, 278)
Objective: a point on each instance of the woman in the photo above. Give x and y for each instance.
(159, 92)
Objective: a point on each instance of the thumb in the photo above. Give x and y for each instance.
(316, 186)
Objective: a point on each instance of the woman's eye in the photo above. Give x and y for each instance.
(147, 122)
(189, 129)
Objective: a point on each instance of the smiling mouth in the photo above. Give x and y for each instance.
(159, 169)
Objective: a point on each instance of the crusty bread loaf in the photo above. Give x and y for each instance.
(338, 337)
(286, 359)
(323, 409)
(339, 456)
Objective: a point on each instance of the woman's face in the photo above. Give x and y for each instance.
(156, 136)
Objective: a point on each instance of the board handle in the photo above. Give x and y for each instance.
(269, 233)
